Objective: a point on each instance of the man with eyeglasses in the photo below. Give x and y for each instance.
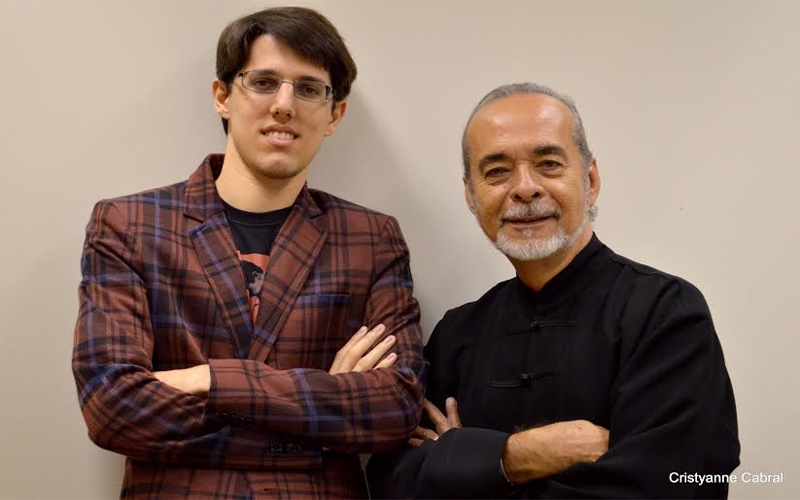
(214, 346)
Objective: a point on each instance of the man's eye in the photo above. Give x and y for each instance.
(309, 89)
(264, 83)
(550, 164)
(495, 172)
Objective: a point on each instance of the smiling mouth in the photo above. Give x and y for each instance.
(281, 136)
(527, 220)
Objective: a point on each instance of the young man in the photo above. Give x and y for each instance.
(588, 375)
(213, 346)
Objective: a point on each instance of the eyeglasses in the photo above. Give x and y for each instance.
(265, 82)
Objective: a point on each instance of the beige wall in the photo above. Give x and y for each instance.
(691, 108)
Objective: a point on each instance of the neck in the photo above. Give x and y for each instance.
(537, 273)
(245, 189)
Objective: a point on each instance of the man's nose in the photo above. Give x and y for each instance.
(284, 102)
(526, 185)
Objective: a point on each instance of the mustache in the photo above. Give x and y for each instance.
(530, 211)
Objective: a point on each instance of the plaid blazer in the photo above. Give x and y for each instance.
(162, 288)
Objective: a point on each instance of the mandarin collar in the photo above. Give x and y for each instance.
(566, 285)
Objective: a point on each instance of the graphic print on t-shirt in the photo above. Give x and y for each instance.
(254, 266)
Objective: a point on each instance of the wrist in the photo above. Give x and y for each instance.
(509, 484)
(200, 380)
(513, 465)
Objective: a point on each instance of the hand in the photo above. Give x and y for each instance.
(545, 451)
(195, 380)
(442, 423)
(353, 356)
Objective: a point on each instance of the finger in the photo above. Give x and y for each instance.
(452, 412)
(369, 360)
(351, 353)
(356, 336)
(423, 433)
(365, 341)
(338, 365)
(388, 361)
(415, 442)
(438, 419)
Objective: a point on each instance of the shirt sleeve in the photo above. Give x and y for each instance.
(462, 463)
(672, 412)
(127, 410)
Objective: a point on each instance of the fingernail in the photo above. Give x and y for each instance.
(362, 330)
(389, 340)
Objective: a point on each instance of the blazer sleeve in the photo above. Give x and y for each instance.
(367, 412)
(673, 410)
(126, 409)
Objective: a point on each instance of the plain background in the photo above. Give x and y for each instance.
(690, 107)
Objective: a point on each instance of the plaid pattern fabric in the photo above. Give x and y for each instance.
(162, 289)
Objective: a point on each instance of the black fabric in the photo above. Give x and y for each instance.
(607, 340)
(255, 232)
(470, 454)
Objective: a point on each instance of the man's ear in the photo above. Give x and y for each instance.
(594, 182)
(468, 195)
(337, 113)
(219, 94)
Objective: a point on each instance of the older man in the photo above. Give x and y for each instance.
(580, 341)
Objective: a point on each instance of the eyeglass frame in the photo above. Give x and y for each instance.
(328, 88)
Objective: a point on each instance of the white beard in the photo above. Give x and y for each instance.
(529, 247)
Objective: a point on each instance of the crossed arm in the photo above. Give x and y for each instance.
(359, 354)
(530, 454)
(671, 409)
(232, 413)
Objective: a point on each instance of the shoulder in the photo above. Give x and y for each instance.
(346, 217)
(648, 306)
(127, 211)
(648, 283)
(334, 205)
(170, 196)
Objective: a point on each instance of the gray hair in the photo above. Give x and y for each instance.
(578, 133)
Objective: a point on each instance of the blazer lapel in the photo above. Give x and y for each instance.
(216, 252)
(292, 257)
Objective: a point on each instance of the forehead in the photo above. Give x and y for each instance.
(521, 120)
(268, 52)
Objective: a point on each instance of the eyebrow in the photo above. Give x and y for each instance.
(491, 158)
(547, 150)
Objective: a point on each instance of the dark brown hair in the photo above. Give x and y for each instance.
(307, 32)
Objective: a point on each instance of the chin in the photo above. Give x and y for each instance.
(528, 249)
(280, 172)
